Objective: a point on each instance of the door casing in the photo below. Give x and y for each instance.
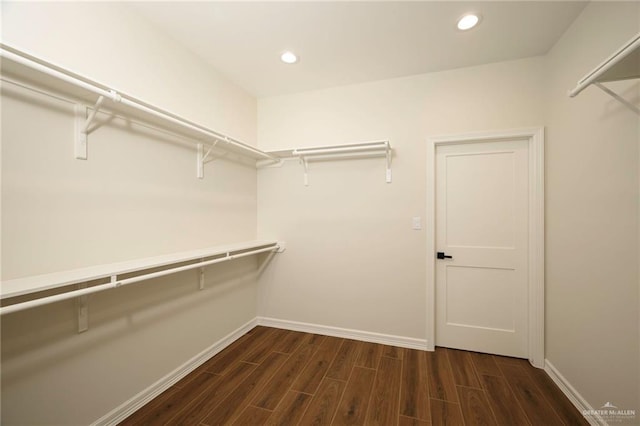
(535, 138)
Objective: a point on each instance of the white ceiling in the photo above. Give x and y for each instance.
(347, 42)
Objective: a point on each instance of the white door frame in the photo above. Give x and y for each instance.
(535, 136)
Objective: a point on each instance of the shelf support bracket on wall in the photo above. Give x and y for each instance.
(82, 124)
(617, 97)
(201, 274)
(83, 120)
(305, 166)
(388, 165)
(82, 304)
(203, 158)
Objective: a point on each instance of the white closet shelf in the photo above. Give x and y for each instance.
(23, 67)
(624, 64)
(345, 151)
(199, 258)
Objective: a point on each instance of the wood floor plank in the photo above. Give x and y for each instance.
(369, 355)
(252, 416)
(475, 407)
(146, 415)
(263, 348)
(221, 363)
(410, 421)
(310, 378)
(503, 402)
(189, 396)
(355, 400)
(290, 410)
(464, 373)
(414, 391)
(192, 375)
(384, 405)
(531, 399)
(257, 330)
(289, 342)
(179, 400)
(279, 384)
(227, 356)
(485, 364)
(440, 377)
(315, 339)
(239, 398)
(500, 360)
(392, 351)
(324, 403)
(445, 413)
(215, 394)
(561, 404)
(344, 361)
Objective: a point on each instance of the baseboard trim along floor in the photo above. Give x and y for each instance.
(365, 336)
(574, 396)
(127, 408)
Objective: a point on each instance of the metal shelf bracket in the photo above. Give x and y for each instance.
(388, 165)
(82, 304)
(305, 165)
(83, 120)
(202, 158)
(206, 157)
(617, 97)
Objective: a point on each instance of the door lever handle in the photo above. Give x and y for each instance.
(441, 255)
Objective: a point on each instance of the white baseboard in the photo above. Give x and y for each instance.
(367, 336)
(576, 399)
(123, 411)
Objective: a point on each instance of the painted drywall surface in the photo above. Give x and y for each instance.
(592, 214)
(136, 196)
(353, 260)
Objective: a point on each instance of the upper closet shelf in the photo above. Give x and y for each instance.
(624, 64)
(31, 70)
(325, 153)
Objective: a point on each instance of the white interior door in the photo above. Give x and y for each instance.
(482, 223)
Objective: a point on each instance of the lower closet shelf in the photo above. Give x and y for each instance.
(171, 264)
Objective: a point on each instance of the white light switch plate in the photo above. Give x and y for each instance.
(416, 223)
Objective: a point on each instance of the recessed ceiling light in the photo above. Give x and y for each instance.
(468, 21)
(289, 57)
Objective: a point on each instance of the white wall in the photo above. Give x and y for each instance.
(136, 196)
(592, 214)
(353, 260)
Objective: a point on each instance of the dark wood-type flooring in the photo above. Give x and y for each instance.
(272, 376)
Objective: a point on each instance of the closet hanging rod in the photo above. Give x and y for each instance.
(338, 149)
(594, 76)
(69, 77)
(115, 283)
(344, 155)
